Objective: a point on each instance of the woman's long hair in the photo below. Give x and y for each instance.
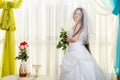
(81, 27)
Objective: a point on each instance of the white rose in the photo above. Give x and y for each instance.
(64, 29)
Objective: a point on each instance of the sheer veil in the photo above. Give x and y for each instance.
(84, 33)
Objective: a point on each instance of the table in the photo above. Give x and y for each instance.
(16, 77)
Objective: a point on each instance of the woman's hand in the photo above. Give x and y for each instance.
(68, 40)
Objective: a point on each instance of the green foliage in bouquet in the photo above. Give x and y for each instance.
(62, 43)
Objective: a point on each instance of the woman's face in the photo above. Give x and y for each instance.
(77, 15)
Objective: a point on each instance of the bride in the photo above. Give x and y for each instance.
(78, 63)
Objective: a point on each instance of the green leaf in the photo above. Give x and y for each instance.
(62, 43)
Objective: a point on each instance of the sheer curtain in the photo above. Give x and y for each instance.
(103, 33)
(39, 21)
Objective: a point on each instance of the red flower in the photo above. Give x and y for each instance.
(23, 43)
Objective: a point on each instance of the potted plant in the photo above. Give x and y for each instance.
(23, 56)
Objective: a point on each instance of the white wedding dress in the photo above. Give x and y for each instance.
(78, 63)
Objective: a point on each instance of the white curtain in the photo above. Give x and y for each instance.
(39, 21)
(103, 31)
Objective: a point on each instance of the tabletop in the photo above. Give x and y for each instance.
(16, 77)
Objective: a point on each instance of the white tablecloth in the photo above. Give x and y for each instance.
(15, 77)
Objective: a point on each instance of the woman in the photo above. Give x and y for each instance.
(78, 63)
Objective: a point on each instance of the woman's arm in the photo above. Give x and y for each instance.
(76, 37)
(73, 39)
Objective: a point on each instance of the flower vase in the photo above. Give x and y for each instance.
(23, 69)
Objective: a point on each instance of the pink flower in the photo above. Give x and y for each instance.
(21, 47)
(26, 46)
